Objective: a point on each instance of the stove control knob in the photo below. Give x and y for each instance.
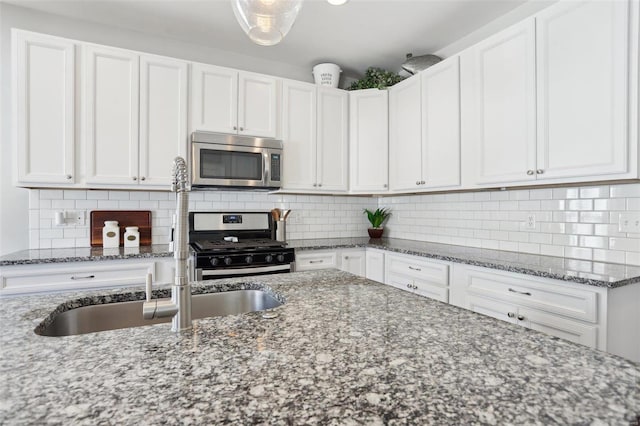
(214, 261)
(268, 258)
(280, 258)
(227, 261)
(248, 260)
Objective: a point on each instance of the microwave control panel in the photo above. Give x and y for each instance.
(275, 167)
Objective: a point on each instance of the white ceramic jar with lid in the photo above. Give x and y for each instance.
(111, 234)
(131, 236)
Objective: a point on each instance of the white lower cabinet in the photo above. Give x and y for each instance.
(374, 265)
(354, 261)
(44, 278)
(316, 259)
(570, 311)
(428, 278)
(349, 260)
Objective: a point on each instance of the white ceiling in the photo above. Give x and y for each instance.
(357, 35)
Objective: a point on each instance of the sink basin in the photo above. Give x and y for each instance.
(112, 316)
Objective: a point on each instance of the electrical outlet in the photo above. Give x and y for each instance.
(530, 223)
(629, 222)
(75, 217)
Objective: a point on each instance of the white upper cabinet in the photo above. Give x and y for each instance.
(498, 92)
(424, 129)
(257, 106)
(333, 143)
(226, 100)
(135, 116)
(405, 135)
(582, 69)
(314, 133)
(299, 135)
(111, 115)
(441, 125)
(554, 99)
(368, 141)
(44, 80)
(163, 117)
(214, 98)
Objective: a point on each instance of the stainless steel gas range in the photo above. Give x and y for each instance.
(226, 244)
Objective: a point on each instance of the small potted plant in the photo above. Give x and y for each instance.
(377, 218)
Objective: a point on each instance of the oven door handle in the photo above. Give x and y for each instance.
(241, 271)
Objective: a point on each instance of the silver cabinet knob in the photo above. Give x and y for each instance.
(539, 171)
(346, 258)
(385, 185)
(143, 178)
(319, 184)
(422, 182)
(69, 177)
(530, 172)
(241, 128)
(235, 127)
(417, 182)
(520, 317)
(134, 178)
(511, 314)
(315, 184)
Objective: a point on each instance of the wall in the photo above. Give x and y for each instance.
(312, 216)
(574, 222)
(14, 202)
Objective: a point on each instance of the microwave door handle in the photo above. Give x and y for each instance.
(265, 168)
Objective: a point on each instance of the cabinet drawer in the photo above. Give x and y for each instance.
(316, 260)
(34, 279)
(552, 298)
(563, 328)
(421, 287)
(424, 270)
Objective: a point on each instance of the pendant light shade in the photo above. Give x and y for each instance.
(266, 22)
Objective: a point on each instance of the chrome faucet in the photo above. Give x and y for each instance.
(179, 306)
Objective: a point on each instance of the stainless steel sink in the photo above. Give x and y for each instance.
(112, 316)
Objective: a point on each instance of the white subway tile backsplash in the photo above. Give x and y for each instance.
(328, 215)
(576, 222)
(627, 190)
(595, 192)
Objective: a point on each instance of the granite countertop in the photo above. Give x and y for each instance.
(599, 274)
(83, 254)
(342, 350)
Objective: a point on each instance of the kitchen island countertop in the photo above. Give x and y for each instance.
(342, 350)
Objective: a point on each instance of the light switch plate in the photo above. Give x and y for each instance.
(629, 222)
(530, 223)
(75, 217)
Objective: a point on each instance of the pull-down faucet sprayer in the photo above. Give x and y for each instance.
(179, 306)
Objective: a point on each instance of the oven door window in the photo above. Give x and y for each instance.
(230, 165)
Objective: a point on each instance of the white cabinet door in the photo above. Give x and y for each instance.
(44, 79)
(163, 117)
(214, 98)
(405, 135)
(375, 265)
(353, 261)
(111, 115)
(498, 87)
(257, 105)
(299, 135)
(332, 137)
(582, 69)
(441, 124)
(368, 141)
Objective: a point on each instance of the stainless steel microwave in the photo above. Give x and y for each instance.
(230, 161)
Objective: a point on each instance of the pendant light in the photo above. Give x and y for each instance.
(266, 22)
